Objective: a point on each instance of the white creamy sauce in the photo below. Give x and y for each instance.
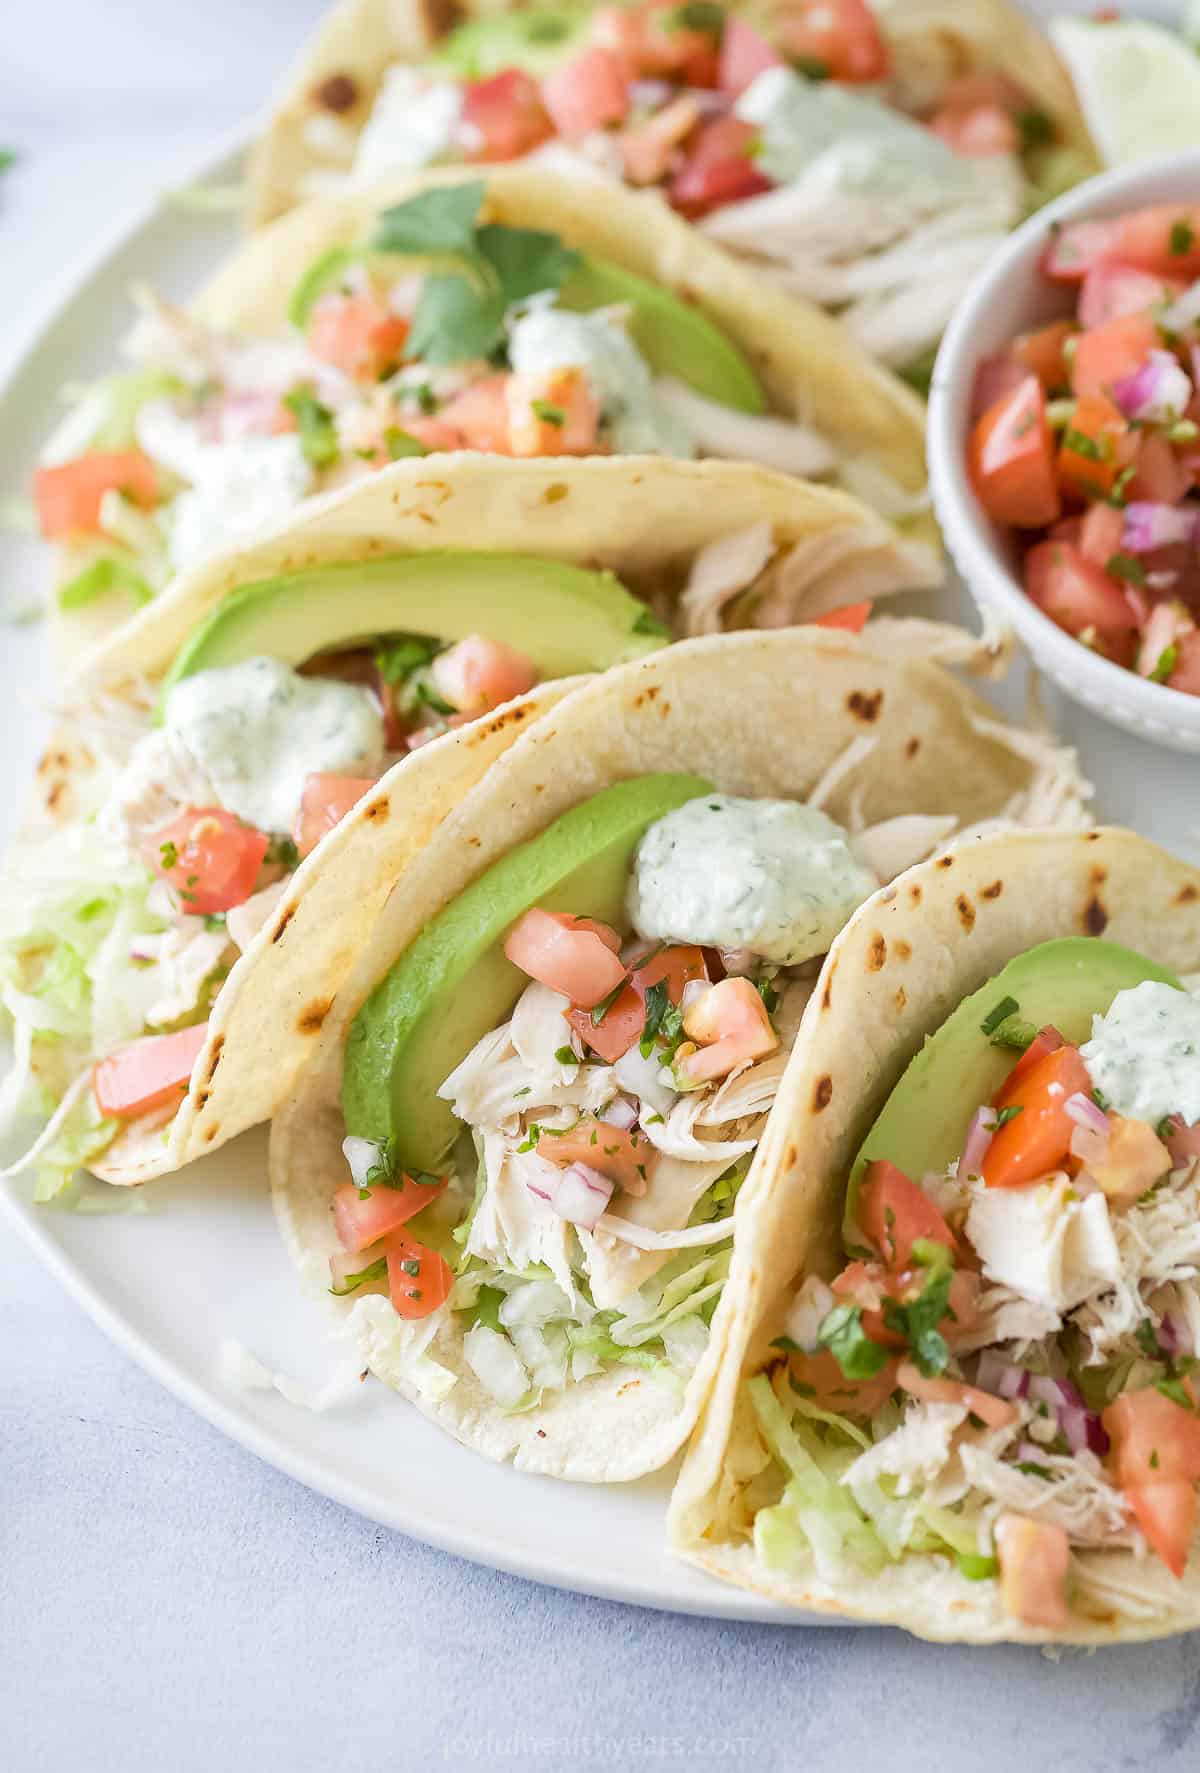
(1144, 1055)
(413, 123)
(258, 729)
(773, 876)
(843, 140)
(545, 339)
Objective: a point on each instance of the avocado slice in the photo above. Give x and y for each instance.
(1064, 983)
(564, 618)
(536, 40)
(453, 984)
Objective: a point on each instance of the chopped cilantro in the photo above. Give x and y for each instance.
(168, 855)
(918, 1321)
(1013, 1032)
(402, 443)
(1166, 1127)
(215, 922)
(601, 1009)
(283, 850)
(658, 1002)
(842, 1333)
(426, 693)
(1100, 1099)
(1031, 1469)
(1165, 664)
(411, 1265)
(567, 1056)
(811, 66)
(1009, 1113)
(1127, 567)
(1177, 1391)
(1181, 238)
(1034, 126)
(397, 658)
(352, 1282)
(1008, 1006)
(769, 996)
(318, 433)
(1092, 449)
(549, 413)
(650, 624)
(697, 15)
(1147, 1340)
(102, 576)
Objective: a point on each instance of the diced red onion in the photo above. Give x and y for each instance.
(1002, 1378)
(1150, 524)
(979, 1137)
(1082, 1430)
(1086, 1113)
(582, 1195)
(1183, 1143)
(708, 101)
(621, 1112)
(693, 991)
(1168, 1335)
(1088, 1146)
(542, 1193)
(1055, 1392)
(362, 1155)
(649, 94)
(1158, 391)
(1029, 1453)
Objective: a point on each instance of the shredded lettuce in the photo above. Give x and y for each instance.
(84, 1135)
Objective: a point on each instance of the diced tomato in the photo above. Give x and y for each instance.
(986, 130)
(995, 1411)
(149, 1073)
(357, 334)
(324, 803)
(745, 54)
(824, 1384)
(653, 39)
(895, 1214)
(1080, 597)
(68, 497)
(210, 858)
(477, 674)
(588, 93)
(1158, 473)
(566, 954)
(731, 1025)
(556, 413)
(1186, 675)
(1074, 248)
(869, 1285)
(650, 149)
(1012, 459)
(504, 116)
(1042, 351)
(1096, 447)
(1111, 290)
(1164, 237)
(1166, 1513)
(1034, 1558)
(435, 435)
(478, 417)
(840, 36)
(1037, 1139)
(1154, 1439)
(852, 617)
(995, 377)
(360, 1223)
(625, 1019)
(1101, 533)
(1108, 353)
(622, 1154)
(419, 1280)
(1047, 1041)
(719, 168)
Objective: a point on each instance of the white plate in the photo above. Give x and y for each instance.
(204, 1263)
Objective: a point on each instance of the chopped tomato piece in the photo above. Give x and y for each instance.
(654, 39)
(622, 1154)
(210, 858)
(731, 1026)
(1101, 533)
(986, 130)
(1012, 459)
(839, 37)
(852, 617)
(1111, 290)
(357, 334)
(871, 1286)
(1074, 248)
(1108, 353)
(1128, 1160)
(149, 1073)
(649, 150)
(435, 435)
(552, 414)
(588, 93)
(478, 418)
(1048, 1040)
(1186, 675)
(1037, 1138)
(324, 803)
(1080, 597)
(1042, 351)
(996, 1412)
(477, 674)
(624, 1021)
(1166, 1513)
(1154, 1439)
(1164, 237)
(419, 1280)
(360, 1223)
(504, 116)
(1096, 446)
(719, 168)
(566, 954)
(994, 378)
(745, 54)
(824, 1383)
(1034, 1558)
(1158, 473)
(68, 497)
(895, 1213)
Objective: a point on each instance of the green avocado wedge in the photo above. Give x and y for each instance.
(1062, 984)
(454, 984)
(565, 618)
(537, 40)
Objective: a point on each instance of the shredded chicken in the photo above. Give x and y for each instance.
(782, 444)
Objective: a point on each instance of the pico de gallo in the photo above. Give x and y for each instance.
(1003, 1373)
(1086, 442)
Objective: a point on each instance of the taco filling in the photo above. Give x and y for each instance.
(1002, 1372)
(794, 140)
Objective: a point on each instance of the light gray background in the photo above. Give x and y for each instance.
(168, 1602)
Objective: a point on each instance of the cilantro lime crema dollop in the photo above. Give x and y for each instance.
(1144, 1055)
(258, 729)
(773, 876)
(546, 339)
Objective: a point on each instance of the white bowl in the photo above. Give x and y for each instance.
(1009, 297)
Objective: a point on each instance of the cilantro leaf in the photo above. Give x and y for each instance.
(103, 575)
(352, 1282)
(658, 1001)
(1008, 1006)
(841, 1332)
(398, 658)
(526, 261)
(918, 1321)
(400, 443)
(455, 321)
(434, 224)
(318, 433)
(648, 623)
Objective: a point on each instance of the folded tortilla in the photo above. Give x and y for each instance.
(901, 966)
(794, 709)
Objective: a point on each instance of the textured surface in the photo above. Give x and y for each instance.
(168, 1601)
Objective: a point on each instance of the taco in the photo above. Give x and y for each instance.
(957, 1386)
(512, 1168)
(869, 157)
(511, 313)
(208, 746)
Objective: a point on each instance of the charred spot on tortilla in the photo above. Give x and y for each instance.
(54, 795)
(790, 1157)
(822, 1094)
(912, 747)
(877, 956)
(285, 918)
(338, 93)
(900, 999)
(630, 1385)
(210, 1133)
(966, 912)
(945, 861)
(1098, 875)
(202, 1101)
(311, 1019)
(218, 1047)
(901, 949)
(914, 893)
(1095, 917)
(864, 706)
(442, 16)
(992, 892)
(647, 695)
(1187, 894)
(377, 809)
(554, 492)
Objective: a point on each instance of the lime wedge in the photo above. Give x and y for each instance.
(1138, 86)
